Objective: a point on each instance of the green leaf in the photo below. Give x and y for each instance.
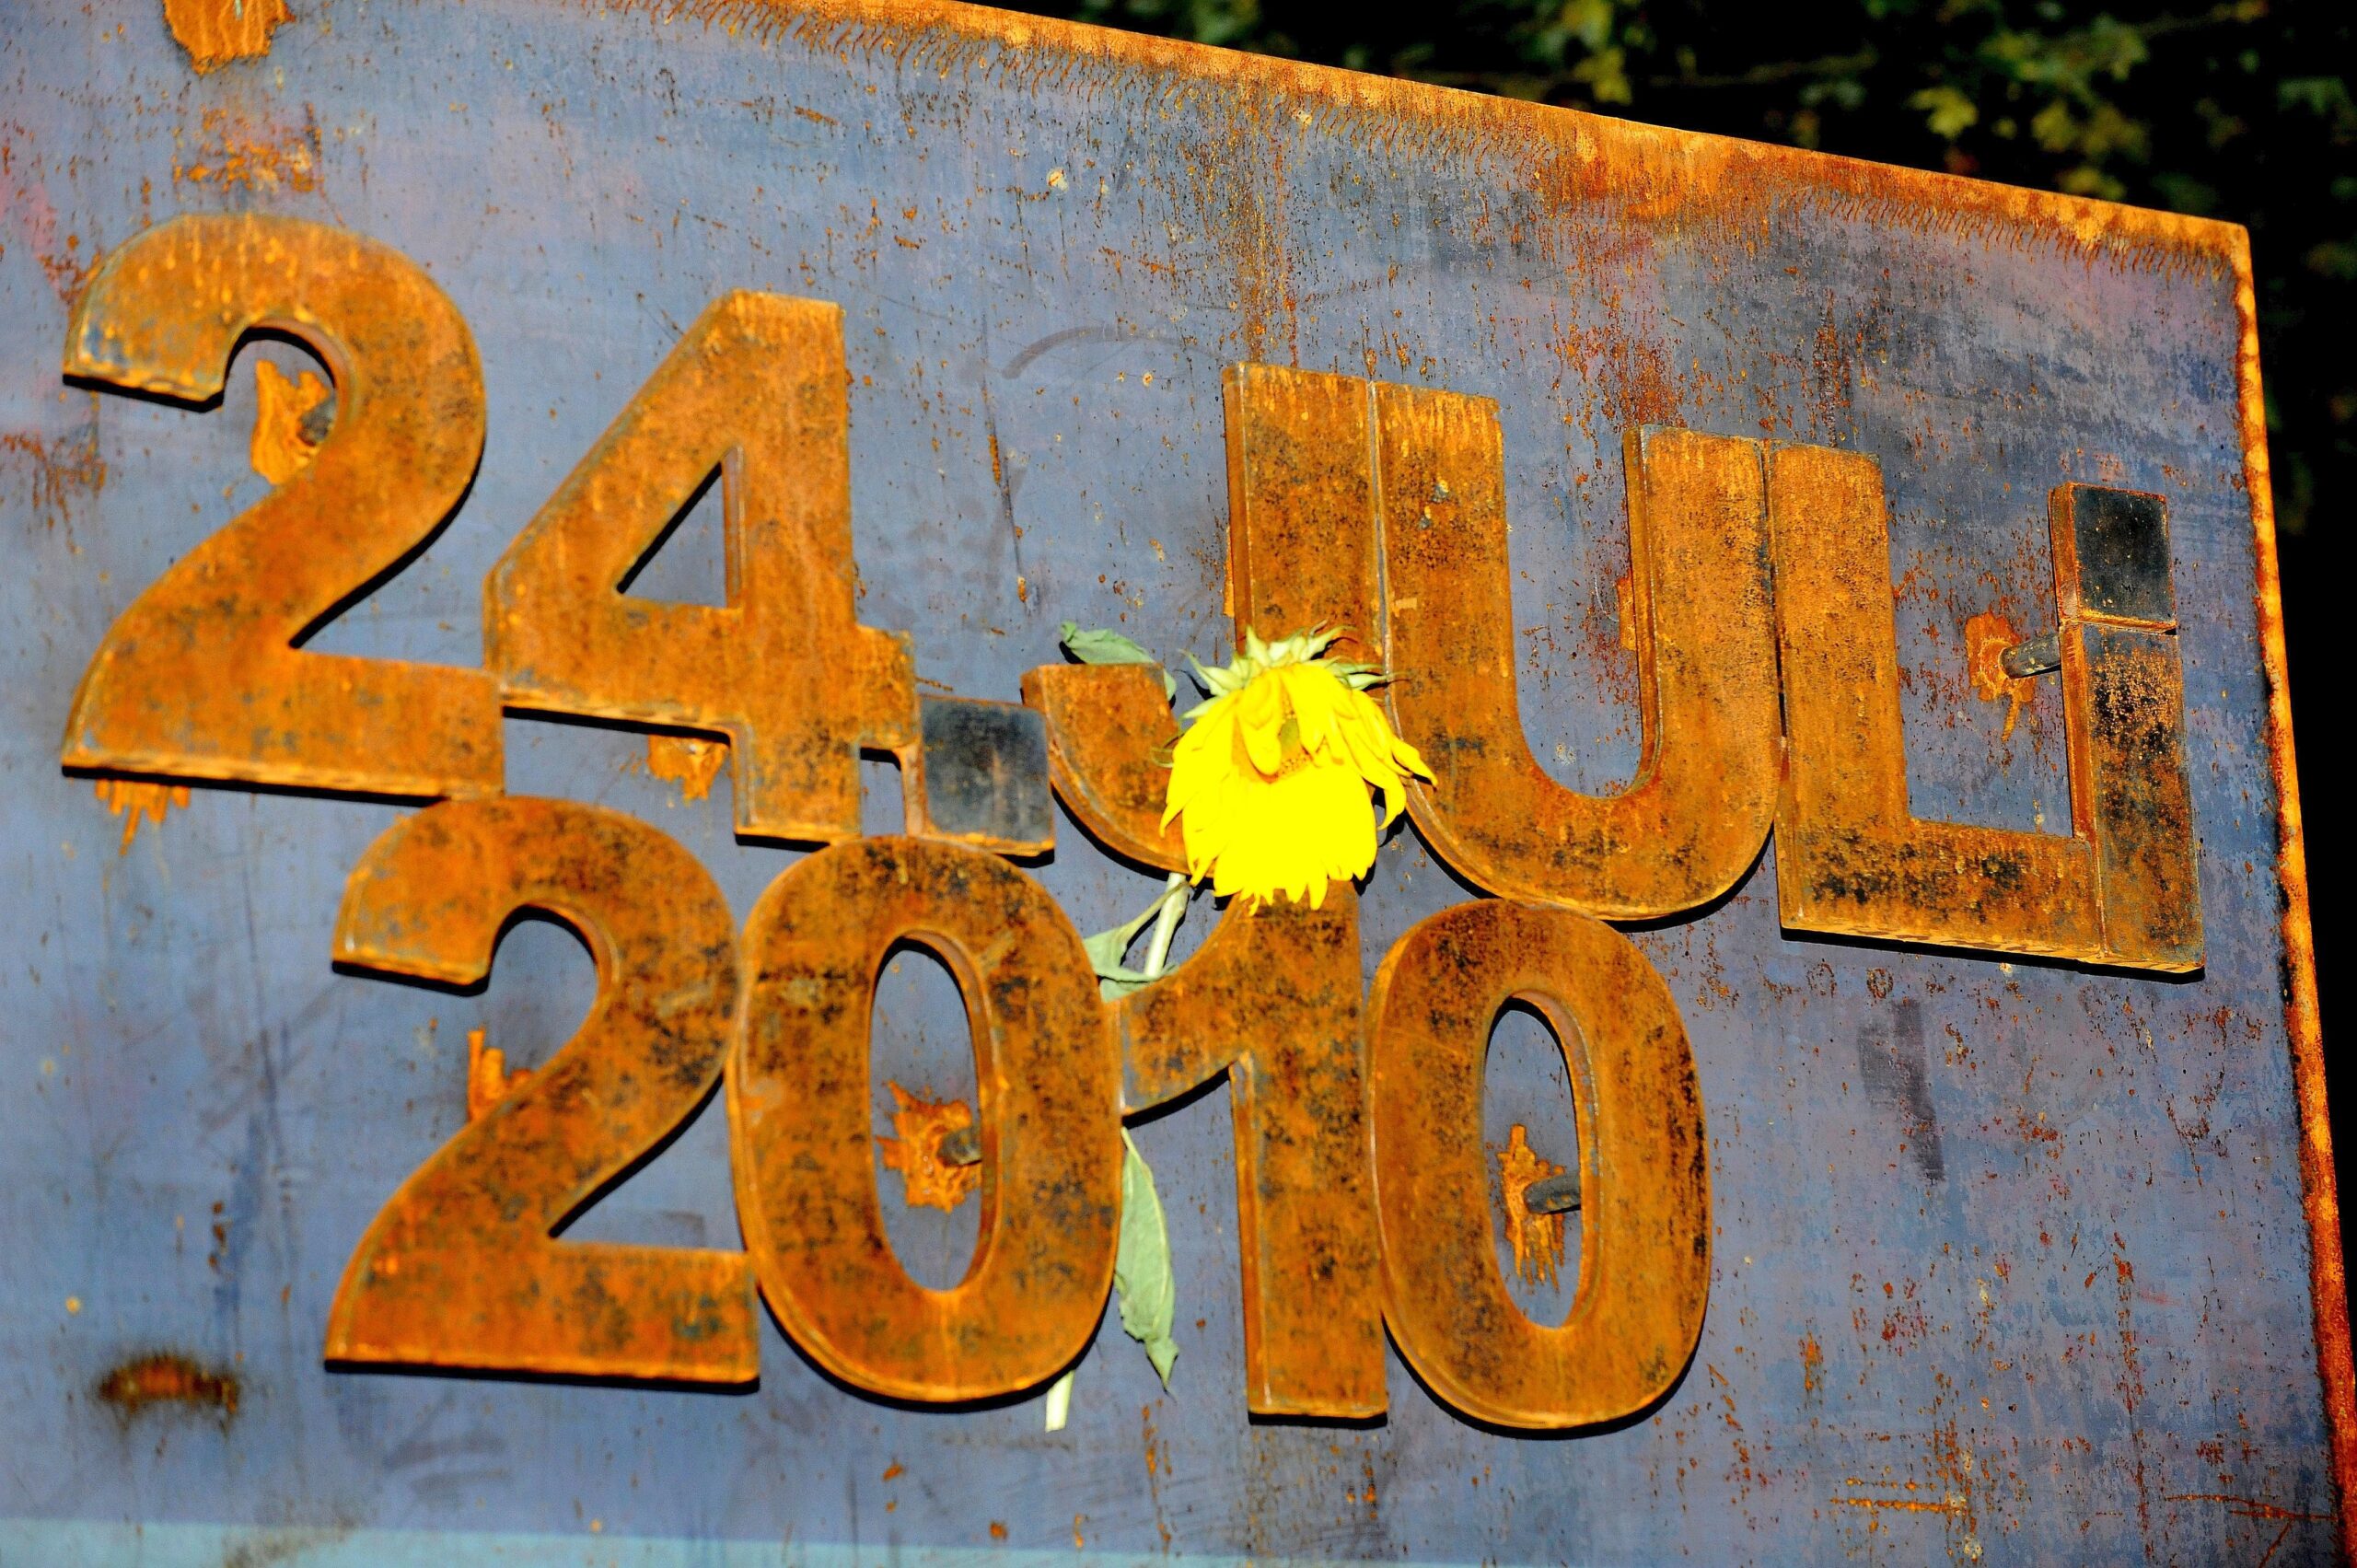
(1107, 948)
(1102, 645)
(1142, 1264)
(1214, 678)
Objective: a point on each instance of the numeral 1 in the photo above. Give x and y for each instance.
(1272, 999)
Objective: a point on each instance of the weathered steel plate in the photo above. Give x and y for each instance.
(2011, 1259)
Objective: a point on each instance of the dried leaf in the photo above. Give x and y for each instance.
(1142, 1264)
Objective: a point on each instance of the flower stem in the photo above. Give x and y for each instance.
(1166, 924)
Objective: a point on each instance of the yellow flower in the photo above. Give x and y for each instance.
(1270, 781)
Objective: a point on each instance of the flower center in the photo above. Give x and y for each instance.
(1293, 757)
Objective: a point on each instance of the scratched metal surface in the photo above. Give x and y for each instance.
(2010, 1258)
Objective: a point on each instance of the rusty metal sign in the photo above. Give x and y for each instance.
(555, 820)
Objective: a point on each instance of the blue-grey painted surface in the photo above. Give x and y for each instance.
(2010, 1259)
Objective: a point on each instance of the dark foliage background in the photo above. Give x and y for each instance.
(2242, 111)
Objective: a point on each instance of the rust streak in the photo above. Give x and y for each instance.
(2320, 1192)
(1640, 171)
(137, 800)
(2244, 1508)
(60, 471)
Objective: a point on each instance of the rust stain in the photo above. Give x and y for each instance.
(928, 1180)
(265, 155)
(137, 800)
(61, 471)
(1952, 1504)
(693, 764)
(166, 1377)
(488, 1079)
(1986, 638)
(1537, 1240)
(1639, 387)
(27, 208)
(1572, 160)
(215, 32)
(288, 422)
(1158, 1464)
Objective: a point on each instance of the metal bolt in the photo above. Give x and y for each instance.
(2035, 657)
(961, 1145)
(1555, 1195)
(320, 420)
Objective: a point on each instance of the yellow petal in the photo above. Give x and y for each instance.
(1200, 758)
(1260, 723)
